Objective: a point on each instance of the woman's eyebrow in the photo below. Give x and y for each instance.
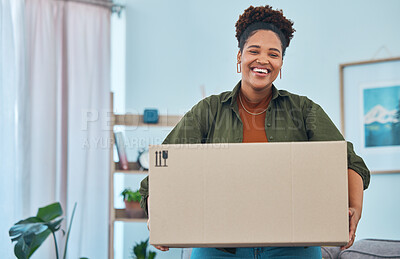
(254, 46)
(258, 47)
(274, 49)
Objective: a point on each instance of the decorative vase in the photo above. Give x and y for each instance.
(133, 209)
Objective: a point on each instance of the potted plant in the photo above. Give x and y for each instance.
(30, 233)
(139, 251)
(132, 203)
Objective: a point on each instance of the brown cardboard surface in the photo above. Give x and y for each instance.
(249, 194)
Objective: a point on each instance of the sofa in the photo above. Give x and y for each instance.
(362, 249)
(365, 249)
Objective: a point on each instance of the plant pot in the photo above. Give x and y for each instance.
(133, 209)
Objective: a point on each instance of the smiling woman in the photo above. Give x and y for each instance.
(256, 111)
(260, 61)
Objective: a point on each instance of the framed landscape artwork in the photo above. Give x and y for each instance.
(370, 111)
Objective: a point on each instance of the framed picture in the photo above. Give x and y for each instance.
(370, 111)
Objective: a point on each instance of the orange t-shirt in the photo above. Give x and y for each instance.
(253, 125)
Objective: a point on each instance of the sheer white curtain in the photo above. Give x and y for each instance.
(69, 78)
(53, 129)
(45, 74)
(88, 41)
(13, 120)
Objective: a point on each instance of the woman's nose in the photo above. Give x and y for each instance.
(262, 61)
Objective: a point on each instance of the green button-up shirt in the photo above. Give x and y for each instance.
(289, 118)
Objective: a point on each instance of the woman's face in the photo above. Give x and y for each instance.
(260, 61)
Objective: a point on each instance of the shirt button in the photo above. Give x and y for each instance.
(271, 138)
(268, 124)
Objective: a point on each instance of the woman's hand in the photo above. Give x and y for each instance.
(355, 204)
(161, 248)
(354, 218)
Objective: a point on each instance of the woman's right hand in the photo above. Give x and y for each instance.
(161, 248)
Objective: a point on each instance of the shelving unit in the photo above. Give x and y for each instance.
(130, 120)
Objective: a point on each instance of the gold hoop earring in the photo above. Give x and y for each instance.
(280, 73)
(238, 68)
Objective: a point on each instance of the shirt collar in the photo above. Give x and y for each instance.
(232, 95)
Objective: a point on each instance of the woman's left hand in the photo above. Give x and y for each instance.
(354, 218)
(355, 204)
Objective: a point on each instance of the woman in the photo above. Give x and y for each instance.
(255, 111)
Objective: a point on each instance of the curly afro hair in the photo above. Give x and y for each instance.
(264, 17)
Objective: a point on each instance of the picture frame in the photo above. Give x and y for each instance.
(370, 111)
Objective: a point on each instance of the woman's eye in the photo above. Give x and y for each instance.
(274, 55)
(253, 51)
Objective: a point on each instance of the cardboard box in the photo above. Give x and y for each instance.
(248, 195)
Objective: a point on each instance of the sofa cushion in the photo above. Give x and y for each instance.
(372, 248)
(330, 252)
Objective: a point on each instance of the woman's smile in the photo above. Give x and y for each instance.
(260, 71)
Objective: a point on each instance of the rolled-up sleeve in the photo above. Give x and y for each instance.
(144, 192)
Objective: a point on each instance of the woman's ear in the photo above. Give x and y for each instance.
(239, 56)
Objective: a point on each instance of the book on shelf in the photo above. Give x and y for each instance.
(120, 144)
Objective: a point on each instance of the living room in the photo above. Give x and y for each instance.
(61, 60)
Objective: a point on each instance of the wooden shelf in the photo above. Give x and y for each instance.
(137, 120)
(130, 120)
(120, 215)
(131, 172)
(131, 220)
(133, 168)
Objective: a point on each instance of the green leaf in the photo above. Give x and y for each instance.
(50, 212)
(130, 195)
(21, 251)
(25, 230)
(69, 231)
(29, 220)
(152, 255)
(139, 252)
(27, 244)
(38, 241)
(30, 233)
(140, 249)
(55, 225)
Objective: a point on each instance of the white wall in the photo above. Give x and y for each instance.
(174, 47)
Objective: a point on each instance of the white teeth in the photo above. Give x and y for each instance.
(260, 70)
